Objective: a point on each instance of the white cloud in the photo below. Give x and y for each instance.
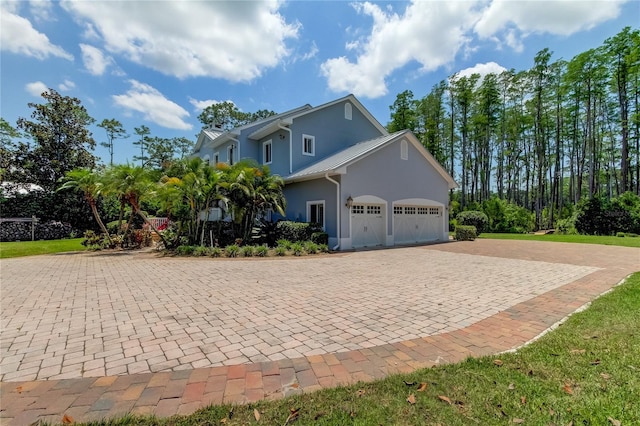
(94, 60)
(41, 10)
(482, 69)
(520, 18)
(433, 33)
(200, 105)
(430, 33)
(19, 36)
(66, 85)
(36, 88)
(154, 106)
(235, 41)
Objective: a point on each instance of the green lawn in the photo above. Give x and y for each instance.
(586, 372)
(585, 239)
(31, 248)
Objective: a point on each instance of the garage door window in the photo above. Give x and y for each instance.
(423, 210)
(409, 210)
(374, 210)
(357, 209)
(397, 210)
(434, 211)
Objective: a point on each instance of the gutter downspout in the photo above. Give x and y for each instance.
(281, 127)
(326, 176)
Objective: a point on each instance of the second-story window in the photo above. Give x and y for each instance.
(266, 152)
(308, 145)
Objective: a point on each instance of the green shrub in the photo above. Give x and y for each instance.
(320, 238)
(473, 218)
(297, 248)
(185, 250)
(215, 252)
(232, 250)
(465, 233)
(281, 251)
(566, 226)
(632, 235)
(323, 248)
(201, 251)
(262, 251)
(248, 251)
(296, 231)
(310, 247)
(620, 234)
(284, 243)
(112, 226)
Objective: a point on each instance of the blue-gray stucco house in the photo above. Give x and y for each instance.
(342, 169)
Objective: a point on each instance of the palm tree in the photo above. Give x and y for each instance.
(132, 184)
(192, 191)
(87, 182)
(253, 191)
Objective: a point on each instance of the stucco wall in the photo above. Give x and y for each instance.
(297, 195)
(385, 175)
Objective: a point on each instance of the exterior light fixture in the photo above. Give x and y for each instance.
(349, 202)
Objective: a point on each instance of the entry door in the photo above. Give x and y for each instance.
(367, 225)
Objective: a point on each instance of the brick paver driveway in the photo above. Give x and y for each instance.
(105, 314)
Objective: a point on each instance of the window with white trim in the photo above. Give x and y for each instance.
(315, 212)
(216, 158)
(404, 150)
(308, 145)
(267, 147)
(348, 111)
(230, 154)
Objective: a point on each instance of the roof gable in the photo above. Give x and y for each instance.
(337, 163)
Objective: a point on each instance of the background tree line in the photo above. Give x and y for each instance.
(543, 138)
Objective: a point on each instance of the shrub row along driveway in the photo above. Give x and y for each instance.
(97, 314)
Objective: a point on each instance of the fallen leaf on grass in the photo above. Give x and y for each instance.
(445, 399)
(605, 376)
(595, 362)
(518, 421)
(411, 399)
(614, 422)
(223, 421)
(567, 389)
(511, 386)
(498, 362)
(422, 387)
(256, 414)
(523, 400)
(577, 351)
(360, 392)
(294, 413)
(67, 419)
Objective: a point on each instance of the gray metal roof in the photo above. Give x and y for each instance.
(343, 158)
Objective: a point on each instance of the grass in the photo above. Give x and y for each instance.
(32, 248)
(586, 372)
(584, 239)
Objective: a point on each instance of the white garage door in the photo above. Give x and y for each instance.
(416, 224)
(367, 225)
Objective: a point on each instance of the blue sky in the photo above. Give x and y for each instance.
(158, 63)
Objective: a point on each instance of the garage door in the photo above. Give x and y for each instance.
(416, 224)
(367, 225)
